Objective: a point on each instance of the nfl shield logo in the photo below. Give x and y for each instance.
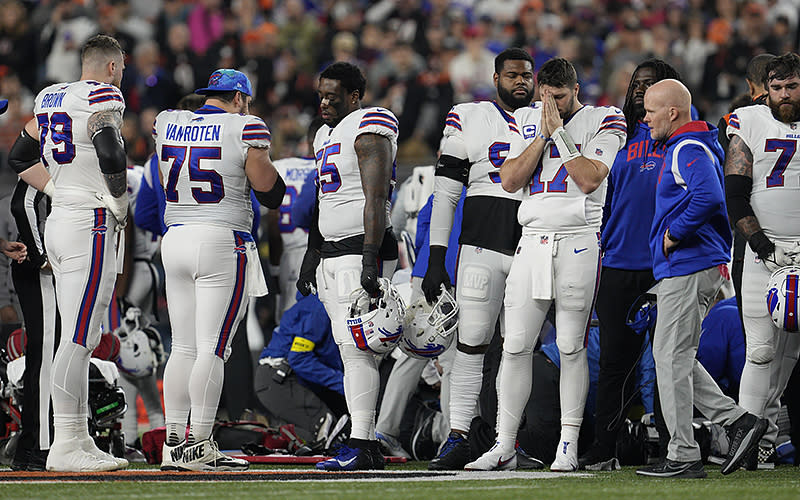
(544, 240)
(598, 151)
(794, 126)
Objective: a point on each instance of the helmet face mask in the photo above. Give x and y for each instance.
(136, 357)
(430, 330)
(376, 323)
(782, 298)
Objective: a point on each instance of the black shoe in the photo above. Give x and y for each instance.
(454, 454)
(422, 445)
(29, 460)
(378, 460)
(673, 468)
(743, 435)
(596, 459)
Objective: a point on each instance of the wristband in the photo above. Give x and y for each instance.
(566, 147)
(49, 189)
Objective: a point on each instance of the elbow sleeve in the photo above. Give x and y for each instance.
(24, 153)
(274, 197)
(737, 194)
(110, 151)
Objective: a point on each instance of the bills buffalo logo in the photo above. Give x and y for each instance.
(650, 165)
(215, 78)
(240, 249)
(100, 229)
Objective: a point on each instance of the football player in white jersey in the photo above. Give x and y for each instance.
(76, 135)
(477, 139)
(209, 160)
(562, 170)
(293, 239)
(762, 189)
(351, 243)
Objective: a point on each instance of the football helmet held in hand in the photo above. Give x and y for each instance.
(429, 330)
(376, 323)
(782, 301)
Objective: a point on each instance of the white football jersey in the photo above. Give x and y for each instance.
(145, 243)
(776, 169)
(341, 197)
(202, 156)
(482, 133)
(552, 202)
(62, 112)
(294, 172)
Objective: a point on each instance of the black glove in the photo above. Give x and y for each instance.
(436, 274)
(307, 281)
(369, 270)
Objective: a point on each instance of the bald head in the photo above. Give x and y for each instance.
(668, 106)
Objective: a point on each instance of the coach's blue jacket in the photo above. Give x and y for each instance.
(690, 201)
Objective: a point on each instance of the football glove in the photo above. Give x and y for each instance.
(369, 270)
(117, 206)
(307, 281)
(778, 258)
(436, 275)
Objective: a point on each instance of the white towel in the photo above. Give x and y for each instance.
(541, 265)
(256, 284)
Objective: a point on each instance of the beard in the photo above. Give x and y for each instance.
(785, 114)
(512, 100)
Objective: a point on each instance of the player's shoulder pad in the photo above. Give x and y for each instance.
(611, 119)
(100, 95)
(378, 120)
(255, 131)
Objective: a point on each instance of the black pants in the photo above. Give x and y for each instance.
(620, 348)
(36, 292)
(294, 403)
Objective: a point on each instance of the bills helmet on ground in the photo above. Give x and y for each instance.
(781, 297)
(376, 323)
(429, 330)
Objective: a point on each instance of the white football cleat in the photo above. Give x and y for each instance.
(69, 456)
(566, 457)
(205, 456)
(88, 445)
(171, 456)
(391, 445)
(496, 458)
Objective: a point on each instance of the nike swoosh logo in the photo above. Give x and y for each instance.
(579, 250)
(345, 463)
(501, 462)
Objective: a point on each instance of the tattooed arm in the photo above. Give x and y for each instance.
(374, 154)
(738, 186)
(104, 129)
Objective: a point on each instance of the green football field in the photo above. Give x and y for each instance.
(781, 483)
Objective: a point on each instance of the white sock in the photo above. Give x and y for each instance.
(70, 390)
(465, 387)
(205, 388)
(361, 385)
(515, 381)
(573, 387)
(177, 402)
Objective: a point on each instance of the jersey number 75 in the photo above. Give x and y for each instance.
(196, 174)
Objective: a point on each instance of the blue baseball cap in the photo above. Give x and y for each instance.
(3, 105)
(226, 80)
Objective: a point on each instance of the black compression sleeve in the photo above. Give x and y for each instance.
(24, 153)
(737, 197)
(274, 197)
(110, 152)
(453, 168)
(315, 238)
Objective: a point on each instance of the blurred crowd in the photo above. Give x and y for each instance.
(420, 56)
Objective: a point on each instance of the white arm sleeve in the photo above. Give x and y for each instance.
(446, 193)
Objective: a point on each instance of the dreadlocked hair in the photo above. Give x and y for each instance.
(663, 71)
